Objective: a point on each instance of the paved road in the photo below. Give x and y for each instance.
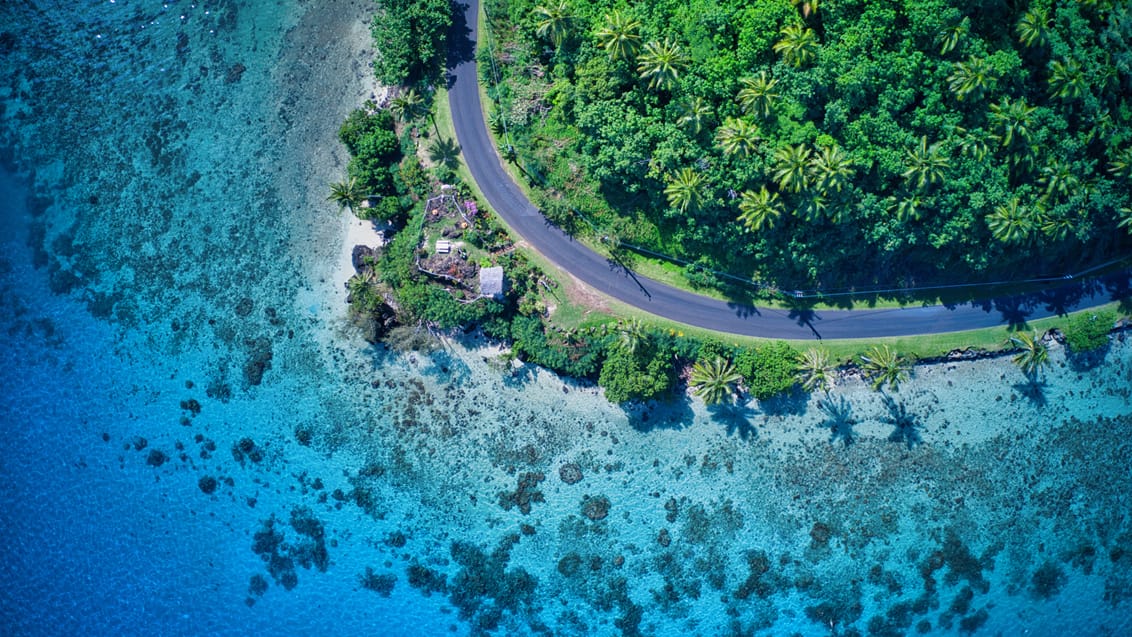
(663, 300)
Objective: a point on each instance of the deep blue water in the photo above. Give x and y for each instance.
(185, 412)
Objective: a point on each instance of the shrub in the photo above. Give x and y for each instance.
(644, 375)
(768, 369)
(1088, 331)
(564, 355)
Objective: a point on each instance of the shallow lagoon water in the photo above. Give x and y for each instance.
(173, 324)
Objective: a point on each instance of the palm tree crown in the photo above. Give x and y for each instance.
(972, 78)
(619, 37)
(950, 36)
(693, 112)
(684, 190)
(1034, 354)
(1031, 27)
(791, 167)
(714, 380)
(346, 194)
(814, 369)
(831, 168)
(737, 137)
(1011, 223)
(884, 366)
(1066, 80)
(407, 106)
(926, 164)
(759, 209)
(554, 22)
(661, 64)
(798, 46)
(757, 95)
(1013, 119)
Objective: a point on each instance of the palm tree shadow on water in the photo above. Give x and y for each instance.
(1033, 389)
(838, 418)
(735, 418)
(906, 425)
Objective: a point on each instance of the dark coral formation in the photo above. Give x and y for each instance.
(524, 495)
(570, 473)
(595, 508)
(306, 549)
(207, 484)
(247, 449)
(381, 584)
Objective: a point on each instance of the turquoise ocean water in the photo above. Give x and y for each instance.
(194, 441)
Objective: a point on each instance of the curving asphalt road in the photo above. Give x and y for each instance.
(685, 307)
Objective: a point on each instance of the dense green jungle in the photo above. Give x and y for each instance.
(848, 144)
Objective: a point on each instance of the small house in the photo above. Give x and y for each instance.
(443, 246)
(491, 282)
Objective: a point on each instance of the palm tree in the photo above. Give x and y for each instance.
(619, 37)
(661, 64)
(832, 169)
(757, 95)
(1125, 219)
(798, 46)
(759, 209)
(554, 22)
(1121, 163)
(972, 78)
(905, 208)
(1059, 179)
(632, 336)
(1056, 226)
(884, 366)
(1031, 27)
(1034, 354)
(693, 112)
(347, 194)
(814, 369)
(683, 191)
(926, 164)
(1066, 80)
(1010, 223)
(813, 207)
(792, 167)
(407, 106)
(445, 152)
(1013, 119)
(714, 381)
(737, 136)
(950, 36)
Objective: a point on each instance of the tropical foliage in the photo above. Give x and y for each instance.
(413, 37)
(1088, 331)
(913, 142)
(1033, 354)
(814, 369)
(714, 380)
(883, 366)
